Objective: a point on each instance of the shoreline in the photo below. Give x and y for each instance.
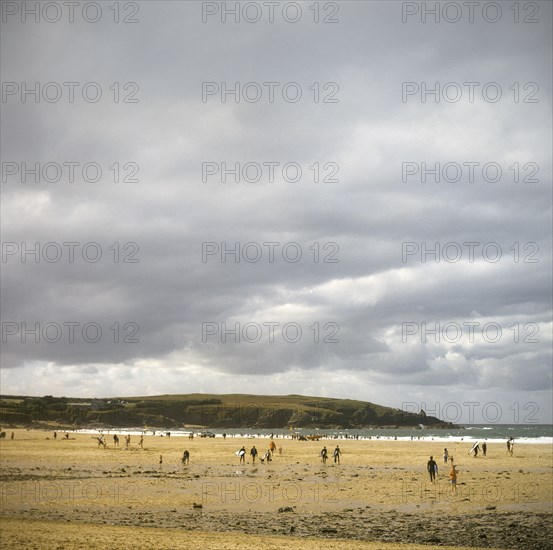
(266, 434)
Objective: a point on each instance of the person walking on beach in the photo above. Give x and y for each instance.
(337, 454)
(432, 468)
(453, 478)
(141, 442)
(508, 446)
(185, 457)
(324, 454)
(115, 440)
(446, 455)
(512, 447)
(484, 448)
(55, 435)
(242, 455)
(253, 453)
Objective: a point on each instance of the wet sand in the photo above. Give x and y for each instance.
(67, 491)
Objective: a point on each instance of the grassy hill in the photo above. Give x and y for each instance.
(208, 411)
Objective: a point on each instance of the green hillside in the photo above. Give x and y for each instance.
(207, 411)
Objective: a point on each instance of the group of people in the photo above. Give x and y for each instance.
(254, 453)
(103, 443)
(267, 457)
(336, 454)
(476, 449)
(432, 467)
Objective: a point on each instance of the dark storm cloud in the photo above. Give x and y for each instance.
(366, 217)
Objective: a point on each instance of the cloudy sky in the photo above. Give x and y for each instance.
(309, 270)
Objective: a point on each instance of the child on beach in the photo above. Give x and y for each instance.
(446, 455)
(453, 478)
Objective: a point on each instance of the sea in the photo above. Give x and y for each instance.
(522, 433)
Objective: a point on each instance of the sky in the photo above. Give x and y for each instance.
(341, 199)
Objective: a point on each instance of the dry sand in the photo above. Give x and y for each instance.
(79, 495)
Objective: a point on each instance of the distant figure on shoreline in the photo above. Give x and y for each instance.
(141, 442)
(160, 461)
(266, 457)
(242, 455)
(446, 455)
(253, 453)
(272, 445)
(432, 468)
(115, 440)
(127, 441)
(185, 457)
(475, 449)
(324, 454)
(484, 448)
(337, 454)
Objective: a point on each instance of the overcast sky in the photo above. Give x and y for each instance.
(363, 285)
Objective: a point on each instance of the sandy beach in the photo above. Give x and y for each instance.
(71, 493)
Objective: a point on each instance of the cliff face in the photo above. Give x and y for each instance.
(209, 411)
